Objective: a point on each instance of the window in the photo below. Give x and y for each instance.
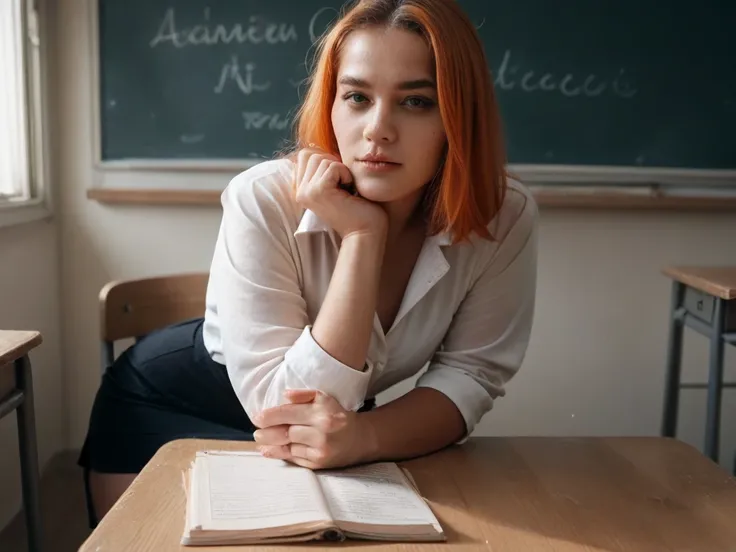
(21, 151)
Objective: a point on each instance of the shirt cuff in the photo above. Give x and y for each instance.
(469, 396)
(311, 365)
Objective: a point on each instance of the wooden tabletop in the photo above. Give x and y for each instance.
(495, 494)
(14, 345)
(715, 280)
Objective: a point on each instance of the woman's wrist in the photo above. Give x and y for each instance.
(367, 439)
(374, 238)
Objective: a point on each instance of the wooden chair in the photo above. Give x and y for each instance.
(134, 308)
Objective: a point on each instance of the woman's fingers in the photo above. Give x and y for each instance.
(296, 453)
(288, 434)
(285, 453)
(305, 452)
(300, 396)
(300, 414)
(280, 452)
(274, 435)
(301, 164)
(313, 164)
(311, 430)
(306, 435)
(331, 178)
(346, 177)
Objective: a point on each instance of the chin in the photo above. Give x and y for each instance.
(385, 196)
(377, 189)
(375, 196)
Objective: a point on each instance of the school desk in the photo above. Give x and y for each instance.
(499, 494)
(16, 393)
(704, 299)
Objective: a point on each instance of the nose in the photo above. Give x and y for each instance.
(380, 127)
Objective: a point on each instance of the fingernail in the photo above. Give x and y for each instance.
(257, 434)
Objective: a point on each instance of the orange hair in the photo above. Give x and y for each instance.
(472, 183)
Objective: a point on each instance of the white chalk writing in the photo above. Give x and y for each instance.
(231, 72)
(622, 87)
(243, 77)
(317, 23)
(256, 31)
(255, 120)
(191, 138)
(509, 76)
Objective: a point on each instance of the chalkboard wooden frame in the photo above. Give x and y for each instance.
(594, 198)
(576, 186)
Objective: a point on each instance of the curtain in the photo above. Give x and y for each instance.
(14, 154)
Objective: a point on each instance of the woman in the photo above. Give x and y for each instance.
(391, 238)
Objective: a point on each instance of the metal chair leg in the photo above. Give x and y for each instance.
(28, 454)
(715, 382)
(674, 356)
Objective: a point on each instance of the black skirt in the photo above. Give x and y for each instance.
(164, 387)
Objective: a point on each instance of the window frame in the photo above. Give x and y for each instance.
(37, 205)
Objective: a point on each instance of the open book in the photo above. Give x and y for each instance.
(245, 498)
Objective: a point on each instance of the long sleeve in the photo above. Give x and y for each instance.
(256, 314)
(488, 336)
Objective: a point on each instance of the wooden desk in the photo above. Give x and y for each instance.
(704, 299)
(496, 494)
(16, 393)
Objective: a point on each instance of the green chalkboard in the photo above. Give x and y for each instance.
(636, 83)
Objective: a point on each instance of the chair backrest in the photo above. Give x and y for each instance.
(134, 308)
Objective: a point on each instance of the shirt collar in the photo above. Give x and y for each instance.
(310, 222)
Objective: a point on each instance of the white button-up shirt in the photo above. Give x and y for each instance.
(466, 313)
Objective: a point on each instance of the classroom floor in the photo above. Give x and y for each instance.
(62, 508)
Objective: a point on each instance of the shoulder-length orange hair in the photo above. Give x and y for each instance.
(472, 184)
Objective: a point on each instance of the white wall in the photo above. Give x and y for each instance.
(596, 363)
(29, 300)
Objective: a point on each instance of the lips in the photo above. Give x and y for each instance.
(379, 166)
(377, 159)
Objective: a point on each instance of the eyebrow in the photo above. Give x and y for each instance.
(405, 85)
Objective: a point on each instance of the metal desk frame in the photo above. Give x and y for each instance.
(716, 332)
(21, 400)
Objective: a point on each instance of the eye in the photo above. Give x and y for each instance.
(418, 102)
(355, 98)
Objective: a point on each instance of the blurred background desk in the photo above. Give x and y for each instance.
(704, 299)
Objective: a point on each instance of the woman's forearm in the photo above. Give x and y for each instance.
(345, 321)
(419, 422)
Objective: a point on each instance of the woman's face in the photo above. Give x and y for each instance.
(386, 109)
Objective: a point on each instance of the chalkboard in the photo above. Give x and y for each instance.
(626, 83)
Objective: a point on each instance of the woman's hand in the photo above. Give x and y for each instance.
(321, 180)
(313, 431)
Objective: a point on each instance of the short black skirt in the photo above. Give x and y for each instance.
(164, 387)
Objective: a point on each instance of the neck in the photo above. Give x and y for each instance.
(403, 216)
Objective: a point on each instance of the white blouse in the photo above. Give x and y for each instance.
(467, 310)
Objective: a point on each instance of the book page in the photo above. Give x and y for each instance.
(376, 494)
(238, 490)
